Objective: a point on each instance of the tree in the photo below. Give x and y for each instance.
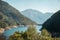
(31, 33)
(3, 24)
(45, 35)
(16, 36)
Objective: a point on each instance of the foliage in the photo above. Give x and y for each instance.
(16, 36)
(32, 34)
(3, 24)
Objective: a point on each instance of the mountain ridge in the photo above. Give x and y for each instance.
(52, 25)
(14, 17)
(37, 16)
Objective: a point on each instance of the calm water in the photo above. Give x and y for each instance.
(21, 28)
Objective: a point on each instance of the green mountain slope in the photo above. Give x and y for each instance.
(12, 16)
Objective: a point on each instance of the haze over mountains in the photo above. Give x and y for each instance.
(36, 16)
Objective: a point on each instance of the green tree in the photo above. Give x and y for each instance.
(3, 24)
(16, 36)
(31, 33)
(45, 35)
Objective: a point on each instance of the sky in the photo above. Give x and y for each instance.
(40, 5)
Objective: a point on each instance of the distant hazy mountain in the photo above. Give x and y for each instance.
(12, 16)
(36, 16)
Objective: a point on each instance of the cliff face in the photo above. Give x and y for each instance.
(53, 24)
(12, 16)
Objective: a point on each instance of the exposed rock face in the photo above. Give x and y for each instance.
(12, 16)
(53, 23)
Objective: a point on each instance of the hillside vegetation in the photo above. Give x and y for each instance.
(32, 34)
(11, 16)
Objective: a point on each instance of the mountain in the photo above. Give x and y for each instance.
(12, 16)
(36, 16)
(53, 24)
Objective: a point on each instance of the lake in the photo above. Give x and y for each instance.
(20, 28)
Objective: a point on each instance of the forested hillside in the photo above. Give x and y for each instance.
(11, 16)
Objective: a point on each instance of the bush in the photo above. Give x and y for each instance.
(32, 34)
